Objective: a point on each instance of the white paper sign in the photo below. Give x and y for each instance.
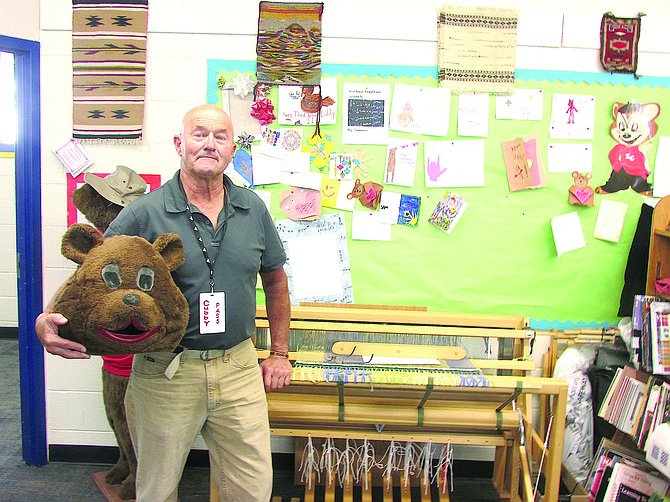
(365, 113)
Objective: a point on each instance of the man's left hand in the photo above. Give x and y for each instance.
(276, 371)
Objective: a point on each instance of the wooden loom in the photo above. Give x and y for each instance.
(423, 406)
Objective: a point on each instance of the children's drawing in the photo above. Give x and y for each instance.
(632, 129)
(421, 110)
(322, 147)
(299, 105)
(572, 116)
(399, 209)
(524, 104)
(334, 193)
(448, 211)
(341, 166)
(457, 163)
(473, 115)
(401, 162)
(242, 163)
(408, 214)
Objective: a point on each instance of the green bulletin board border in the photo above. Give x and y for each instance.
(526, 203)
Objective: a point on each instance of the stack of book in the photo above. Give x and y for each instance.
(620, 474)
(636, 403)
(651, 334)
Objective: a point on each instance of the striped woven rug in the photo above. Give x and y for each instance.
(109, 62)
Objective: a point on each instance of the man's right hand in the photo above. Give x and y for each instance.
(46, 327)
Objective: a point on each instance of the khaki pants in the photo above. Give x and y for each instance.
(224, 399)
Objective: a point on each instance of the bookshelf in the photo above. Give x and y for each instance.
(659, 245)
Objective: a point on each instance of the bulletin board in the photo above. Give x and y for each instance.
(501, 257)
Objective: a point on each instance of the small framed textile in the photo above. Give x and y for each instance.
(619, 37)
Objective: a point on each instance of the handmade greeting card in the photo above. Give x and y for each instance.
(301, 203)
(299, 105)
(365, 113)
(448, 211)
(334, 193)
(401, 162)
(580, 191)
(420, 110)
(457, 163)
(572, 116)
(523, 163)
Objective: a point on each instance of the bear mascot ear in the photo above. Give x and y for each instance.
(78, 242)
(171, 248)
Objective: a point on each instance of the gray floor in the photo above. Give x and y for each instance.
(56, 481)
(71, 481)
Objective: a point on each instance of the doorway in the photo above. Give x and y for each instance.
(28, 197)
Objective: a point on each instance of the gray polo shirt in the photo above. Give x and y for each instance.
(251, 244)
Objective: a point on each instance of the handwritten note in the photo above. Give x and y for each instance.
(611, 217)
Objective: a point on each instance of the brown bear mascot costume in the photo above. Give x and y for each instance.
(100, 200)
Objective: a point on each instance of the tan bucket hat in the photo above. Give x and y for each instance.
(121, 187)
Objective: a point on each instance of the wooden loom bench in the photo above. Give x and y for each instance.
(485, 410)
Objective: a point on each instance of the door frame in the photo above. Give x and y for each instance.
(28, 197)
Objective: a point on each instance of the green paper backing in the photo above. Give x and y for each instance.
(500, 257)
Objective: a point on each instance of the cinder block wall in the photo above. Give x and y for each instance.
(183, 36)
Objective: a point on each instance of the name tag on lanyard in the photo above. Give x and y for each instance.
(212, 312)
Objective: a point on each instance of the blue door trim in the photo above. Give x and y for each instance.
(29, 245)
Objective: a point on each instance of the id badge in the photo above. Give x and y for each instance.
(212, 312)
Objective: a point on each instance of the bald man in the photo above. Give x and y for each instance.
(213, 383)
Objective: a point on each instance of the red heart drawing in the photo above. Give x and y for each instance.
(371, 195)
(583, 195)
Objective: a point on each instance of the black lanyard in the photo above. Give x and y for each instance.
(210, 263)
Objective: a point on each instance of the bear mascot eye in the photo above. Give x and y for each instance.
(111, 274)
(145, 278)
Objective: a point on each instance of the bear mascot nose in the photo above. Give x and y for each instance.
(132, 300)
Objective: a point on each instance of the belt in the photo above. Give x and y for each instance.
(204, 355)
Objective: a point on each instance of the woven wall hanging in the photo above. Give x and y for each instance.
(477, 49)
(288, 48)
(109, 62)
(619, 37)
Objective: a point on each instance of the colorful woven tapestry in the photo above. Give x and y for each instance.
(477, 49)
(288, 48)
(109, 61)
(618, 43)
